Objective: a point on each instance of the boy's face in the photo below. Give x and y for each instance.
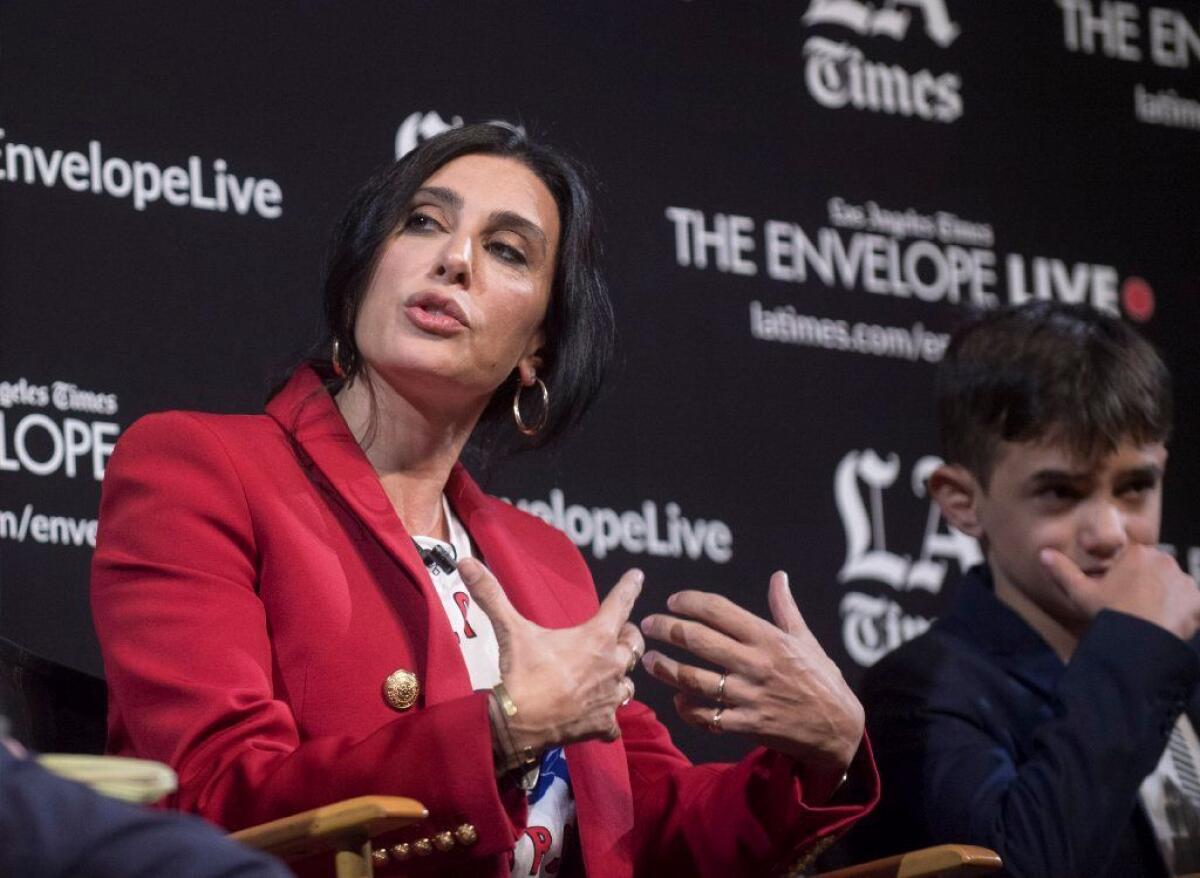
(1042, 496)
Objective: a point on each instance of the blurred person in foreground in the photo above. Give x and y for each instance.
(294, 607)
(1051, 714)
(54, 828)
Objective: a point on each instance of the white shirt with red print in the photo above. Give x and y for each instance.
(539, 850)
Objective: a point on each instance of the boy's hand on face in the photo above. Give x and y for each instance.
(1144, 582)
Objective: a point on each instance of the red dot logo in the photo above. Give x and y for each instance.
(1137, 298)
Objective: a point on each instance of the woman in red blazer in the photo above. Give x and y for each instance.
(292, 609)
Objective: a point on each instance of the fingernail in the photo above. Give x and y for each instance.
(638, 576)
(672, 601)
(1046, 556)
(648, 659)
(645, 624)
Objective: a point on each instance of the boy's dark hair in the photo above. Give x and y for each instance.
(1045, 370)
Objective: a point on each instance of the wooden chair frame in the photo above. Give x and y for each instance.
(346, 828)
(942, 861)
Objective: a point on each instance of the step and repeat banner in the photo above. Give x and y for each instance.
(800, 200)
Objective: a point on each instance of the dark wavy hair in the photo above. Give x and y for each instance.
(578, 326)
(1045, 370)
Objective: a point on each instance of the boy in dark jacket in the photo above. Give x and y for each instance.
(1051, 714)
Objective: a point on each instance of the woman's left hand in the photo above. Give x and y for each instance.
(779, 685)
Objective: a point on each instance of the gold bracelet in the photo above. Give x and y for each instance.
(506, 708)
(524, 756)
(505, 700)
(501, 750)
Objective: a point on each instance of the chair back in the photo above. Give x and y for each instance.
(51, 708)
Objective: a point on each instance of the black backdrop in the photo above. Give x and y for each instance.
(799, 200)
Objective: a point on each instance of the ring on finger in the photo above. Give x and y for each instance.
(714, 724)
(628, 691)
(635, 656)
(720, 699)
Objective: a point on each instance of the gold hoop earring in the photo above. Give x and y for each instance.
(534, 429)
(336, 359)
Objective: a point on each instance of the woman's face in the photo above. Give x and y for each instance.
(459, 294)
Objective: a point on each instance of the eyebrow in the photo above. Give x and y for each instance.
(513, 221)
(1150, 470)
(1059, 475)
(448, 197)
(507, 219)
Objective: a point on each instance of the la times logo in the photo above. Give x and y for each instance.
(419, 127)
(873, 625)
(890, 21)
(840, 75)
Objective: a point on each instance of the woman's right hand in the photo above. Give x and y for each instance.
(566, 683)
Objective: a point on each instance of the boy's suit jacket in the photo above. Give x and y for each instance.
(985, 736)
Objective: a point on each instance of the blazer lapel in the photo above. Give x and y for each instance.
(523, 579)
(327, 448)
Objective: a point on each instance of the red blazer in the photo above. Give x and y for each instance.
(253, 588)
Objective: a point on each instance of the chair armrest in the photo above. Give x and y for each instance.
(943, 861)
(119, 777)
(332, 827)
